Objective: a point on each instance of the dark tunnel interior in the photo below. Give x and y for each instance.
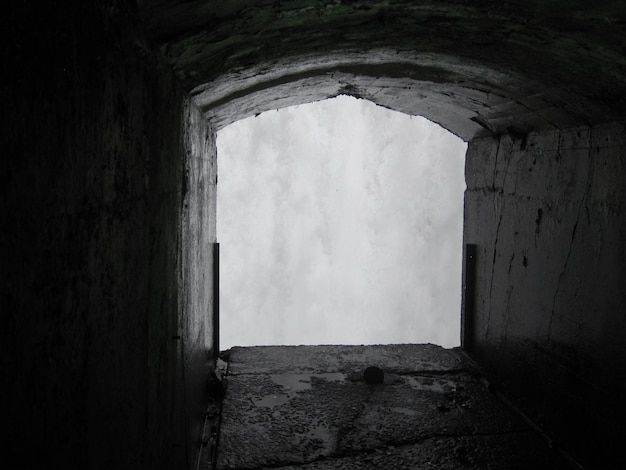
(108, 189)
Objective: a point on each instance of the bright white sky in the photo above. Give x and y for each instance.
(339, 222)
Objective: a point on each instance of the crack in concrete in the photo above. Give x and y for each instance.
(559, 160)
(386, 447)
(493, 266)
(511, 263)
(495, 166)
(428, 373)
(583, 202)
(495, 243)
(506, 172)
(506, 315)
(345, 430)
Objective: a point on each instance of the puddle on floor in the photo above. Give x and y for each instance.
(299, 382)
(271, 401)
(332, 376)
(432, 384)
(293, 382)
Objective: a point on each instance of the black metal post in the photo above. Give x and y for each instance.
(216, 300)
(469, 302)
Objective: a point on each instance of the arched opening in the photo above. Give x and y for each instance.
(340, 222)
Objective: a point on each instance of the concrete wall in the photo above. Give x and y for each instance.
(107, 206)
(198, 233)
(546, 212)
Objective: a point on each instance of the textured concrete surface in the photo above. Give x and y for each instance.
(474, 67)
(547, 213)
(104, 352)
(309, 407)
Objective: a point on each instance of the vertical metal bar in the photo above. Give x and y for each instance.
(216, 300)
(469, 298)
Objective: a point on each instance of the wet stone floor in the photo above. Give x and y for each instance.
(309, 407)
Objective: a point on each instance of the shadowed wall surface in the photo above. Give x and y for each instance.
(547, 217)
(106, 197)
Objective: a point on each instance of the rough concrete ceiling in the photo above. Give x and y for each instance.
(474, 67)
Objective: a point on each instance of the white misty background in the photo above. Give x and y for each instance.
(339, 222)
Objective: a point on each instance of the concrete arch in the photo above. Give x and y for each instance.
(468, 99)
(477, 69)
